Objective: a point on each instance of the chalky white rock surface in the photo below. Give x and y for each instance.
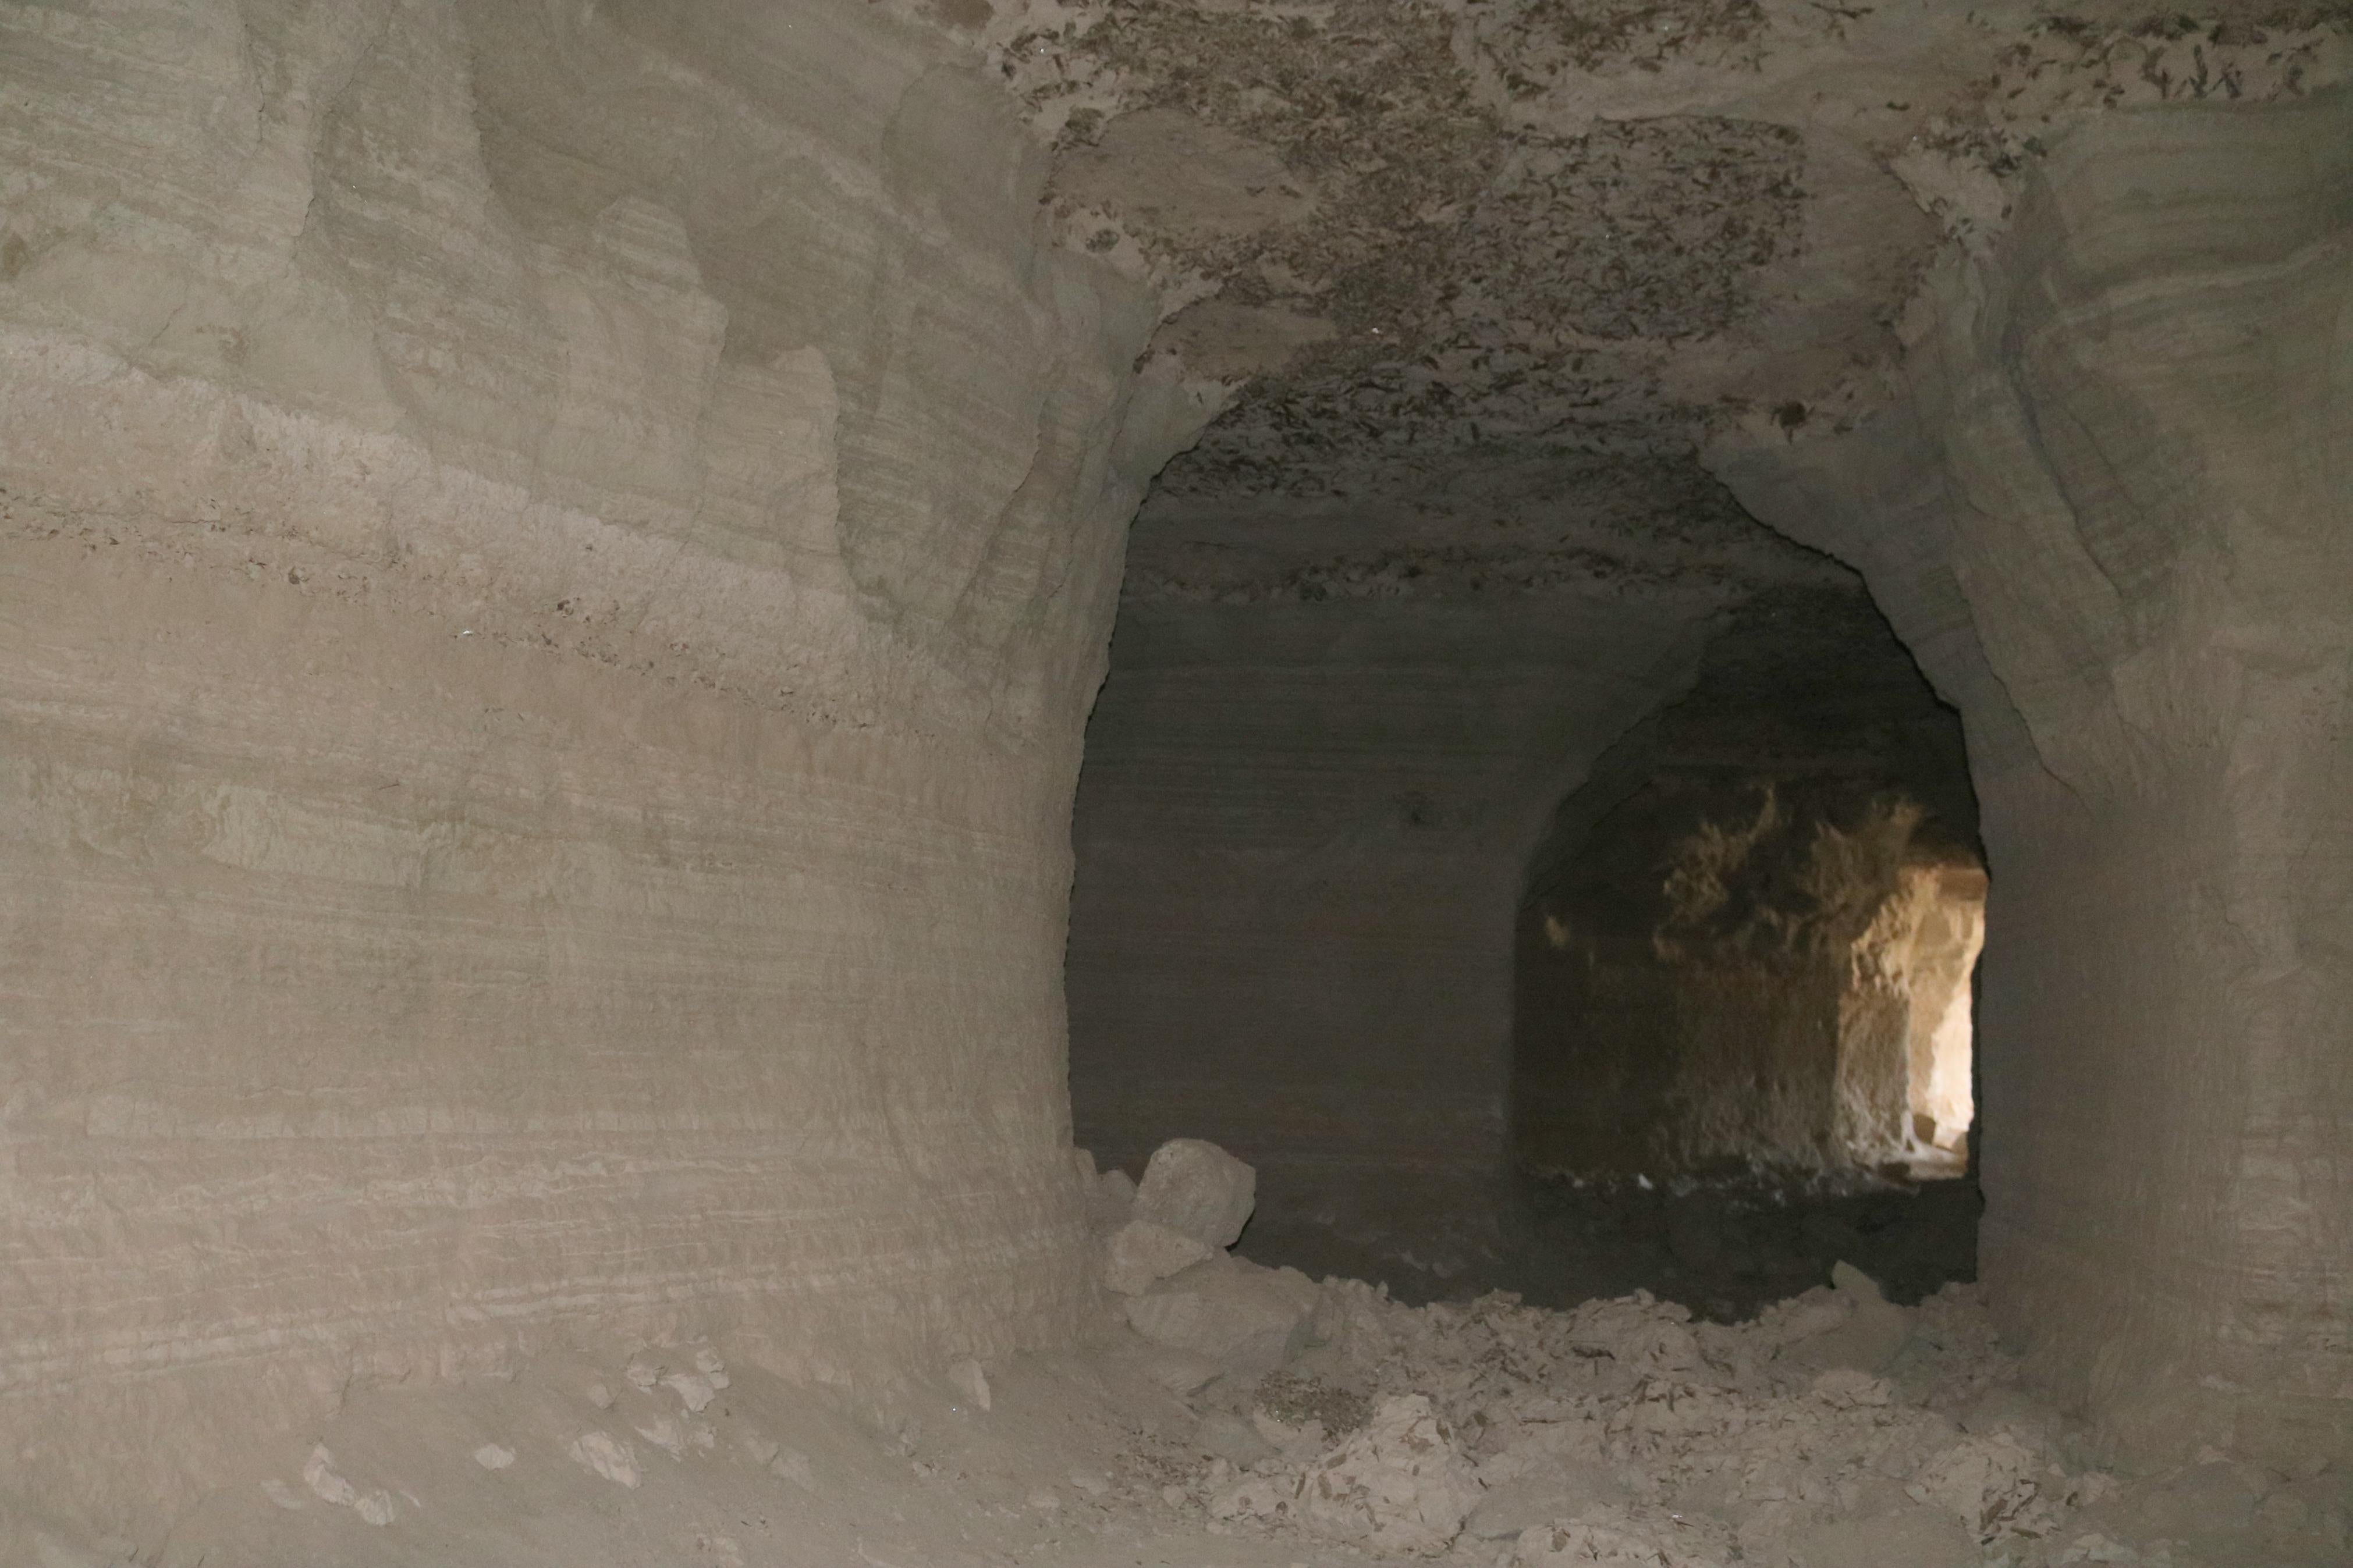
(1195, 1188)
(1140, 1253)
(550, 569)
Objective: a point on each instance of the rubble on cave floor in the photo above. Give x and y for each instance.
(1230, 1415)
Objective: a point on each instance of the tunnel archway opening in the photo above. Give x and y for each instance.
(1742, 1022)
(1732, 974)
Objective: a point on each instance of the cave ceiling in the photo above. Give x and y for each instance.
(1480, 280)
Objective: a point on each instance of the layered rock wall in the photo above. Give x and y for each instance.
(2111, 520)
(553, 567)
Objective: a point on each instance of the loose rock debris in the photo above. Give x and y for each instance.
(1230, 1415)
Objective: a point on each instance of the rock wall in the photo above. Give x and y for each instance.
(554, 566)
(1301, 832)
(2111, 521)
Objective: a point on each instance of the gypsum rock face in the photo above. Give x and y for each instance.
(2108, 520)
(544, 685)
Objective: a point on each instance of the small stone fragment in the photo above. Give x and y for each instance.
(494, 1457)
(692, 1388)
(375, 1508)
(608, 1455)
(666, 1434)
(319, 1475)
(970, 1381)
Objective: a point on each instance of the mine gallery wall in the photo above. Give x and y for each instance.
(2111, 521)
(553, 570)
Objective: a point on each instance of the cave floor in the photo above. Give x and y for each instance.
(1621, 1432)
(1725, 1247)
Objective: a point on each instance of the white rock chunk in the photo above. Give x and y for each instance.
(970, 1381)
(692, 1387)
(319, 1475)
(1245, 1318)
(608, 1455)
(1196, 1187)
(1142, 1254)
(494, 1457)
(666, 1434)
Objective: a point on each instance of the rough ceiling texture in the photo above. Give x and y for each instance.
(1510, 262)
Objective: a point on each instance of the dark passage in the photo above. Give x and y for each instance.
(1612, 934)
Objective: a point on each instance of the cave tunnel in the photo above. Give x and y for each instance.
(948, 783)
(1334, 908)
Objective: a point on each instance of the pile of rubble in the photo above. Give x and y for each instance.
(1836, 1429)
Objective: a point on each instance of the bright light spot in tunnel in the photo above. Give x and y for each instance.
(1941, 957)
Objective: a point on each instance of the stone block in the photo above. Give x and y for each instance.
(1141, 1254)
(1196, 1187)
(1245, 1317)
